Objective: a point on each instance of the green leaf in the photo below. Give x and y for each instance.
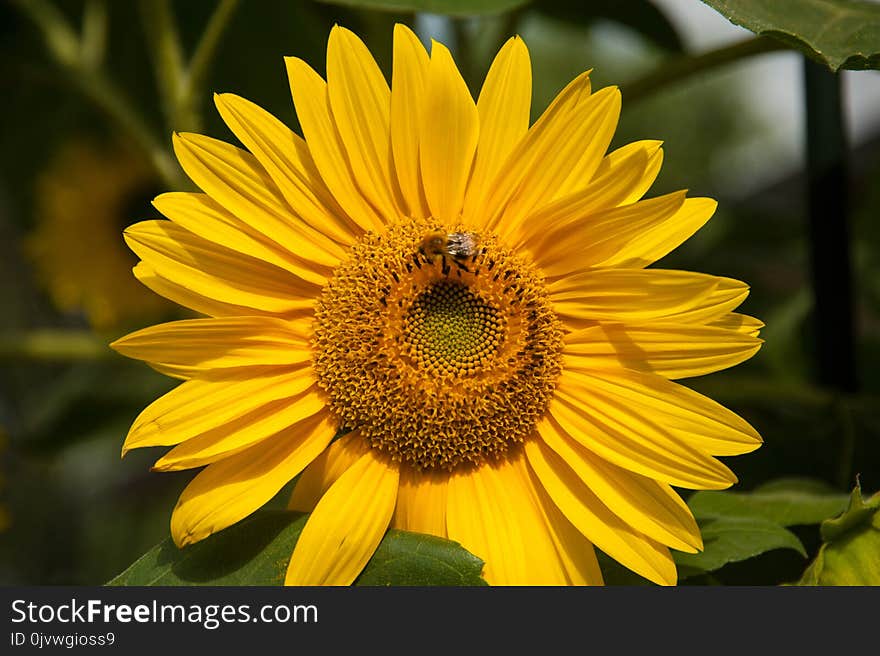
(837, 33)
(256, 552)
(732, 539)
(850, 554)
(451, 7)
(858, 513)
(639, 15)
(415, 559)
(786, 502)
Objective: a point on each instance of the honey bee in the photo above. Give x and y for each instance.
(457, 245)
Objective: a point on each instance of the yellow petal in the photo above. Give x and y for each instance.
(670, 350)
(560, 159)
(532, 152)
(421, 502)
(286, 158)
(270, 422)
(361, 105)
(313, 111)
(231, 489)
(603, 123)
(347, 524)
(448, 137)
(631, 295)
(624, 435)
(503, 108)
(235, 179)
(652, 243)
(554, 221)
(184, 296)
(205, 218)
(198, 406)
(495, 513)
(599, 239)
(617, 158)
(216, 272)
(648, 506)
(408, 80)
(576, 553)
(194, 346)
(692, 418)
(673, 414)
(602, 527)
(739, 322)
(728, 295)
(325, 469)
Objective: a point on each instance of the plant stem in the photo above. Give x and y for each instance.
(165, 49)
(181, 84)
(686, 66)
(64, 47)
(203, 55)
(61, 41)
(830, 258)
(54, 345)
(828, 207)
(105, 96)
(94, 34)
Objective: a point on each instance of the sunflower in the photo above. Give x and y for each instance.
(464, 298)
(85, 196)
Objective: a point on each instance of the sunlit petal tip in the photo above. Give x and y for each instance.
(723, 479)
(440, 50)
(117, 343)
(340, 31)
(652, 146)
(223, 101)
(709, 205)
(401, 27)
(182, 537)
(161, 466)
(582, 81)
(342, 37)
(516, 41)
(180, 143)
(614, 101)
(162, 199)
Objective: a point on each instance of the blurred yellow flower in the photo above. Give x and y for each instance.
(467, 295)
(87, 194)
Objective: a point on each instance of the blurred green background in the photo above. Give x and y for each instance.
(74, 513)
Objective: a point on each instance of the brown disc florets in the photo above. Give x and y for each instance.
(440, 347)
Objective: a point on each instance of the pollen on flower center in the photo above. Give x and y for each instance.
(440, 357)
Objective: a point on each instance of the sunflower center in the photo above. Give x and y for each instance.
(440, 347)
(450, 330)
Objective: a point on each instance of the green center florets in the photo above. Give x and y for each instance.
(450, 329)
